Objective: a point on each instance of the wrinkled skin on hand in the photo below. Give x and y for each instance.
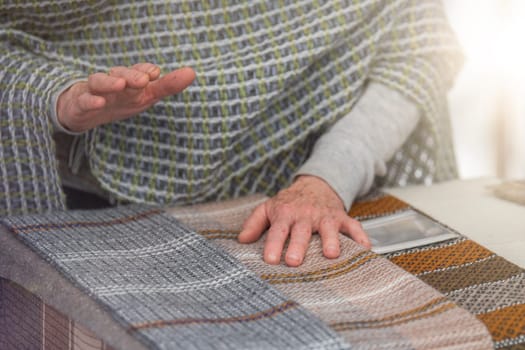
(119, 94)
(309, 205)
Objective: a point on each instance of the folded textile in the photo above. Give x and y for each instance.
(478, 280)
(511, 190)
(472, 276)
(364, 297)
(27, 322)
(370, 301)
(168, 285)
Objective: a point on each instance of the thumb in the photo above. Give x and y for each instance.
(255, 225)
(354, 230)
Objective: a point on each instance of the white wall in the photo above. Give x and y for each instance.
(487, 103)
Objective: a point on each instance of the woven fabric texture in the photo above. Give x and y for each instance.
(371, 302)
(480, 281)
(26, 322)
(472, 276)
(167, 285)
(271, 77)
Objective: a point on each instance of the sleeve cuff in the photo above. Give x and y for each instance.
(356, 148)
(345, 173)
(54, 104)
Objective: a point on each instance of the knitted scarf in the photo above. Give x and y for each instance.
(271, 77)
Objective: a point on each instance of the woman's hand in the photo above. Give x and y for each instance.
(121, 93)
(308, 205)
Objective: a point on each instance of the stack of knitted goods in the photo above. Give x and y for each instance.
(485, 284)
(170, 287)
(371, 302)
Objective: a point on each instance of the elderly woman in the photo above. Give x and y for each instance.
(309, 102)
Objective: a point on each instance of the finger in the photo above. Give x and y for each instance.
(134, 79)
(353, 229)
(152, 70)
(87, 102)
(172, 83)
(100, 83)
(275, 240)
(255, 225)
(329, 231)
(299, 241)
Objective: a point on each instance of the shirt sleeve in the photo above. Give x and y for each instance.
(356, 148)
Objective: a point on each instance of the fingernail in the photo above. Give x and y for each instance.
(272, 259)
(331, 250)
(294, 258)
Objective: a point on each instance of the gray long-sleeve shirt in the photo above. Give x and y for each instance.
(356, 148)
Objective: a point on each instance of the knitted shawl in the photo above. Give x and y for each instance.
(271, 77)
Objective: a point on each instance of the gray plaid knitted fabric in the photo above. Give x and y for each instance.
(271, 77)
(167, 284)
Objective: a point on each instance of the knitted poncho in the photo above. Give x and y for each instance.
(271, 77)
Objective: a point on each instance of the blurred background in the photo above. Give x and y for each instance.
(487, 103)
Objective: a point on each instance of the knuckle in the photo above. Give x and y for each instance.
(278, 230)
(354, 228)
(140, 65)
(356, 225)
(137, 75)
(139, 100)
(148, 66)
(299, 232)
(327, 221)
(308, 211)
(115, 70)
(282, 230)
(285, 209)
(92, 78)
(300, 240)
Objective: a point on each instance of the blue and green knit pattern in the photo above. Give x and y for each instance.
(271, 77)
(167, 285)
